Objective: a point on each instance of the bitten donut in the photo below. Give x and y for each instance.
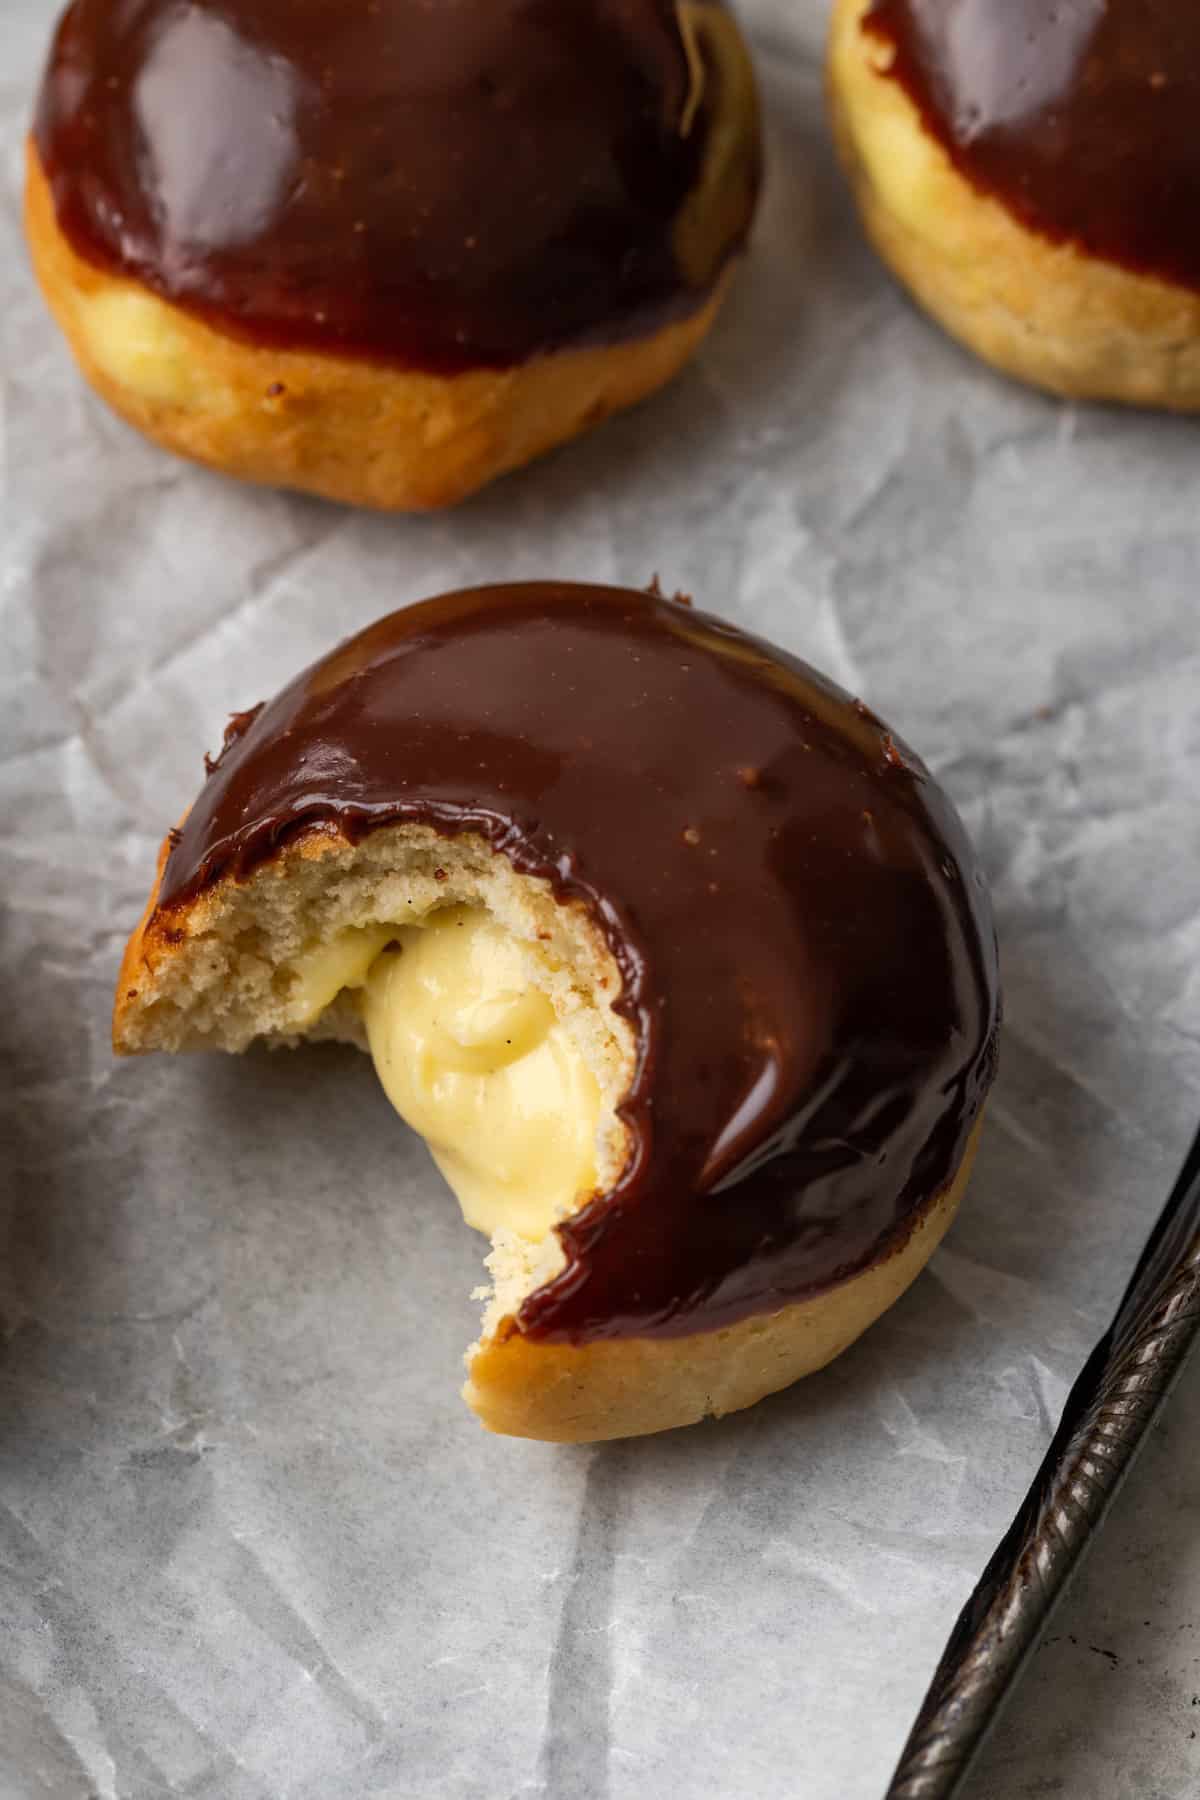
(1032, 173)
(678, 958)
(386, 252)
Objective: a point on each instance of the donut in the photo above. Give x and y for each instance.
(385, 253)
(1031, 172)
(677, 957)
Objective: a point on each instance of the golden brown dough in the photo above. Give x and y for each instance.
(343, 427)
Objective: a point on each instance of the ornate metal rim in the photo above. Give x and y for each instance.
(1108, 1413)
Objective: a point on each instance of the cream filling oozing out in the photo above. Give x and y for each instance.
(474, 1058)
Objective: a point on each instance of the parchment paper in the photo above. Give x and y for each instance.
(251, 1545)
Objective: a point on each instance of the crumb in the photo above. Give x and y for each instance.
(276, 390)
(656, 591)
(439, 874)
(240, 723)
(691, 835)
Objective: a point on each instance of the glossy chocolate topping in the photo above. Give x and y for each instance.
(1080, 116)
(804, 936)
(440, 183)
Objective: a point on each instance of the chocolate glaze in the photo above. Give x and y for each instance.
(803, 932)
(1078, 115)
(441, 183)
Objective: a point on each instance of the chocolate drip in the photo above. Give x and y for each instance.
(804, 936)
(439, 183)
(1079, 116)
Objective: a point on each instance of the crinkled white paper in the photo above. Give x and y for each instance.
(251, 1545)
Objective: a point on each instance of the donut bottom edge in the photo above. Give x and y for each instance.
(1049, 314)
(631, 1387)
(349, 429)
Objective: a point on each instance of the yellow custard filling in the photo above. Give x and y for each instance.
(473, 1056)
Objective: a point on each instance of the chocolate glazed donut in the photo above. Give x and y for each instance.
(447, 185)
(1031, 171)
(407, 244)
(1080, 119)
(806, 949)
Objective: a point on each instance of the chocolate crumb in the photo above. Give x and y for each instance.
(439, 874)
(240, 722)
(275, 390)
(656, 591)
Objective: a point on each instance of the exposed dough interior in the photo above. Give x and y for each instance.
(485, 1003)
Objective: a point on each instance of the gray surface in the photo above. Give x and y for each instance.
(249, 1543)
